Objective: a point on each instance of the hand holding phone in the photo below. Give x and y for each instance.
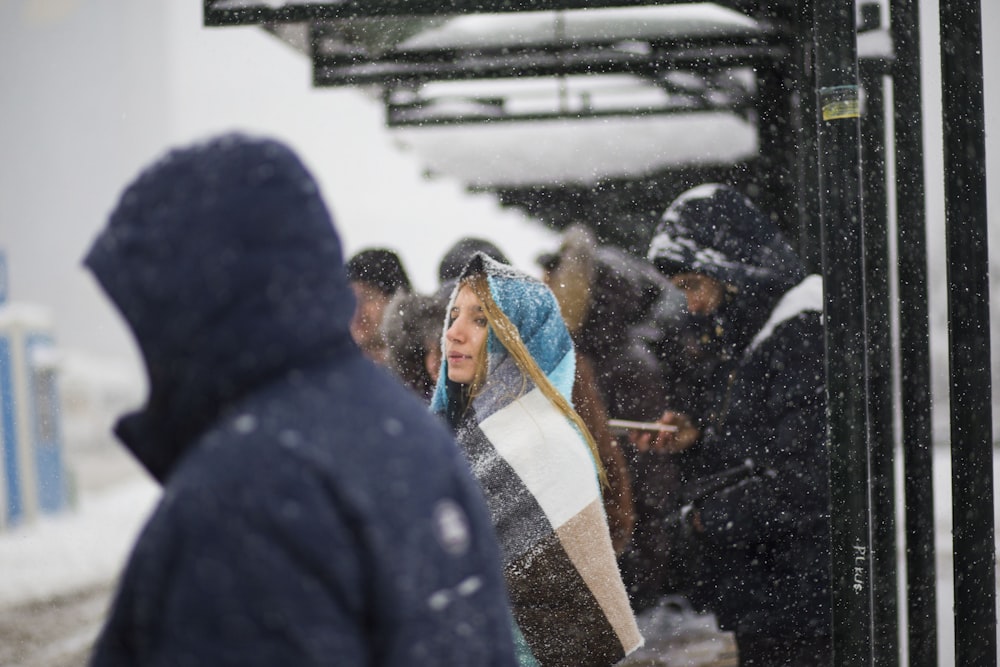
(628, 425)
(673, 432)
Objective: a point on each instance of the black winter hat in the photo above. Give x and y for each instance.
(714, 230)
(380, 268)
(459, 255)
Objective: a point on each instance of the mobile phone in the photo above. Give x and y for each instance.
(628, 425)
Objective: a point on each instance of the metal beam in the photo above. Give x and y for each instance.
(259, 12)
(409, 67)
(419, 115)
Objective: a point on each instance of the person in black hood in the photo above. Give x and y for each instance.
(313, 512)
(754, 506)
(459, 254)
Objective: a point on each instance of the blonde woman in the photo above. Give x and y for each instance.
(505, 386)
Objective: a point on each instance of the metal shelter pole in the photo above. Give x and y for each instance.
(807, 157)
(968, 332)
(914, 337)
(844, 312)
(881, 408)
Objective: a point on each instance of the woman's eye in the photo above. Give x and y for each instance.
(481, 322)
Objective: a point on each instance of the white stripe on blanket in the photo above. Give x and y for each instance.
(547, 453)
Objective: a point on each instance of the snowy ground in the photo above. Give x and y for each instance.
(73, 551)
(59, 572)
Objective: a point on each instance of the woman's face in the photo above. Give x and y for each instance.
(466, 336)
(704, 294)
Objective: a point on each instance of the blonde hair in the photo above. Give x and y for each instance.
(510, 338)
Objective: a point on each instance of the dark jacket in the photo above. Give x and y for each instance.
(312, 511)
(764, 553)
(613, 301)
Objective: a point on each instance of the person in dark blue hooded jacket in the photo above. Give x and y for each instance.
(313, 512)
(755, 468)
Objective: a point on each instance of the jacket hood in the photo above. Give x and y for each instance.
(714, 230)
(224, 262)
(532, 308)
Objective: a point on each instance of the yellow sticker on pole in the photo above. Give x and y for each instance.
(839, 102)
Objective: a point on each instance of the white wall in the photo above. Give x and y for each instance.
(92, 90)
(243, 78)
(84, 101)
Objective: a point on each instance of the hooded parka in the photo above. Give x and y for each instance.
(312, 512)
(764, 563)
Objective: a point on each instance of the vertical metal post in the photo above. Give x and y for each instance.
(969, 332)
(775, 172)
(881, 413)
(843, 279)
(914, 337)
(807, 159)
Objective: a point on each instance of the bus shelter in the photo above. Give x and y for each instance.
(812, 108)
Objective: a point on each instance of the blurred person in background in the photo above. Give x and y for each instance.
(376, 275)
(458, 255)
(411, 329)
